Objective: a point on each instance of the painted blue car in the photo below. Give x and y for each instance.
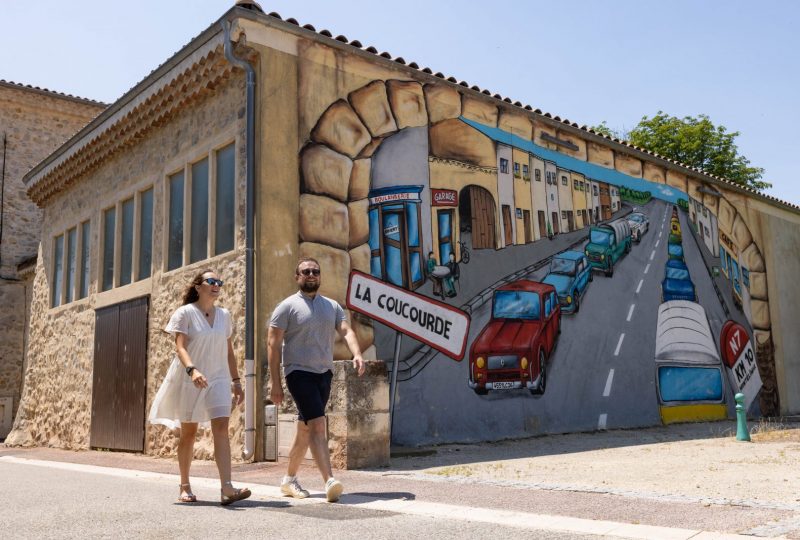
(675, 251)
(570, 274)
(677, 283)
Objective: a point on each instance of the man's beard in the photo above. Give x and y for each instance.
(309, 287)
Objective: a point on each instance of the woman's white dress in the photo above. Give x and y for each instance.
(179, 400)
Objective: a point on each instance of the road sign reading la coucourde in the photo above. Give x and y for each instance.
(738, 355)
(434, 323)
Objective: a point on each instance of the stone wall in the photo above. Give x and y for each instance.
(56, 402)
(34, 123)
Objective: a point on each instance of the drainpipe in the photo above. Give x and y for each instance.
(249, 334)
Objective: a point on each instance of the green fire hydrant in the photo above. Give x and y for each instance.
(742, 434)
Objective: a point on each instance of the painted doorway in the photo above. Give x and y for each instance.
(478, 209)
(120, 376)
(526, 219)
(542, 224)
(508, 231)
(555, 222)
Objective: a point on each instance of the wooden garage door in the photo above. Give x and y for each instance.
(120, 373)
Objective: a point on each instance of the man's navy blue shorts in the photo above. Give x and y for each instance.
(310, 392)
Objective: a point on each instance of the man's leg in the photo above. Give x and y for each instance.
(299, 448)
(318, 443)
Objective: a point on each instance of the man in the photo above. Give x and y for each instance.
(301, 331)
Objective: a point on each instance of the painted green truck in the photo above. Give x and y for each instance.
(607, 244)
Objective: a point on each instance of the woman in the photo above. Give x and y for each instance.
(199, 382)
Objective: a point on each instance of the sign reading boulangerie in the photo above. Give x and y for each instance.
(434, 323)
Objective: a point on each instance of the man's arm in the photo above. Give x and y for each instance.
(346, 331)
(274, 344)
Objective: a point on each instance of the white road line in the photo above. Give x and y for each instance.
(652, 254)
(601, 422)
(630, 312)
(640, 286)
(607, 390)
(659, 234)
(619, 344)
(647, 268)
(658, 242)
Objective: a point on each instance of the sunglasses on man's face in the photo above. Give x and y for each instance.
(310, 271)
(213, 281)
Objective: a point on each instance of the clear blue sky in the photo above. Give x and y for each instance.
(586, 60)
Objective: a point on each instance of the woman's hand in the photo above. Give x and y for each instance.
(238, 393)
(198, 379)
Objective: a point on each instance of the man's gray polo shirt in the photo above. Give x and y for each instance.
(309, 327)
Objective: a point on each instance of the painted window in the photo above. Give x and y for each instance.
(746, 277)
(689, 384)
(575, 185)
(594, 190)
(526, 173)
(723, 260)
(58, 270)
(201, 208)
(564, 181)
(516, 169)
(538, 175)
(563, 214)
(548, 305)
(503, 165)
(394, 237)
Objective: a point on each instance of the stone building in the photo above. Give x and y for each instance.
(33, 123)
(362, 160)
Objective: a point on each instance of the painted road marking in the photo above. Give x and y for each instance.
(640, 286)
(647, 268)
(601, 422)
(658, 242)
(607, 390)
(619, 344)
(507, 518)
(652, 254)
(630, 312)
(660, 233)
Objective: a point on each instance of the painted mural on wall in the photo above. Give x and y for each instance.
(598, 288)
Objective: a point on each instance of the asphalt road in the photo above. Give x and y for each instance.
(54, 501)
(601, 374)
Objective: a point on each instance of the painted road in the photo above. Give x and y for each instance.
(601, 374)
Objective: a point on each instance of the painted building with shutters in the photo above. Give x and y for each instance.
(365, 162)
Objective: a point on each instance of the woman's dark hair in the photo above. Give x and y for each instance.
(190, 294)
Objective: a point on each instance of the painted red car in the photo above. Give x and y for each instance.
(511, 352)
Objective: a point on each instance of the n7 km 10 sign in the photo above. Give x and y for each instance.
(434, 323)
(739, 356)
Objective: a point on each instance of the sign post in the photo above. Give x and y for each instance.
(739, 356)
(434, 323)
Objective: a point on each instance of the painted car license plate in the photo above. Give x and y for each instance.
(502, 385)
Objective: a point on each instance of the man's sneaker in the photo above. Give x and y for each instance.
(292, 488)
(333, 489)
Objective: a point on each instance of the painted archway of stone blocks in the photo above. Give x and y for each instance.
(335, 181)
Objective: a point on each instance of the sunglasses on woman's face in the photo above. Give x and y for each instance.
(310, 271)
(212, 281)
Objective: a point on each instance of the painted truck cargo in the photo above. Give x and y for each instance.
(689, 381)
(607, 244)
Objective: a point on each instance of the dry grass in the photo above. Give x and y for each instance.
(774, 430)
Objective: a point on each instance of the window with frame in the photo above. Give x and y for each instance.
(201, 208)
(526, 175)
(127, 245)
(516, 169)
(503, 165)
(564, 181)
(575, 185)
(70, 279)
(563, 214)
(594, 190)
(538, 175)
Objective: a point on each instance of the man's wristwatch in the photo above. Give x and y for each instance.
(189, 370)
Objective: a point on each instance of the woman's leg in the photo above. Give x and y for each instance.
(186, 452)
(222, 452)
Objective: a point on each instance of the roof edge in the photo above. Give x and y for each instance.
(51, 93)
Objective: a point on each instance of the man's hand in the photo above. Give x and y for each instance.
(276, 393)
(358, 364)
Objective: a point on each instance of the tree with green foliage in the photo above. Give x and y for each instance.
(696, 142)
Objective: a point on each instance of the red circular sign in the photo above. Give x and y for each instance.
(733, 340)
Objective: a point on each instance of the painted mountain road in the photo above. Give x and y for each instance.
(614, 330)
